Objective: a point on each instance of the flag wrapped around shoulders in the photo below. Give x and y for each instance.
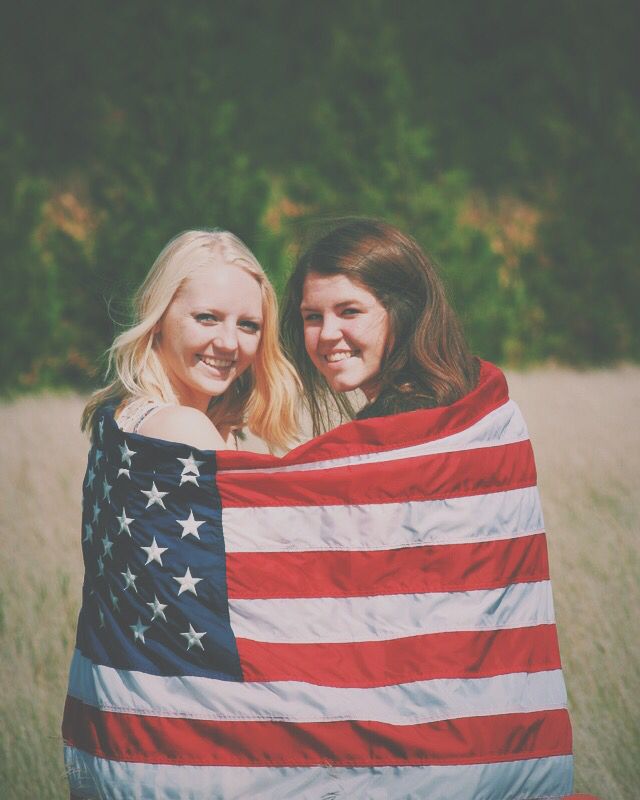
(369, 616)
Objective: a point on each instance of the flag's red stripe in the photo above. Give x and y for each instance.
(386, 433)
(462, 654)
(171, 740)
(434, 477)
(430, 568)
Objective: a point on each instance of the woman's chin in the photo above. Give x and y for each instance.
(213, 386)
(218, 387)
(342, 384)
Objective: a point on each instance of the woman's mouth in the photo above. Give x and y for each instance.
(342, 355)
(217, 363)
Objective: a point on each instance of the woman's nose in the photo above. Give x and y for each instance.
(226, 338)
(330, 330)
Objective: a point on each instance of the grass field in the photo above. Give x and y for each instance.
(585, 428)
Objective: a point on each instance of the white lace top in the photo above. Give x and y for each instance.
(135, 411)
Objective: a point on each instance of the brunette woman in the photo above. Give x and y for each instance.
(430, 532)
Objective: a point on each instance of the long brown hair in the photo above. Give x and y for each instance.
(427, 356)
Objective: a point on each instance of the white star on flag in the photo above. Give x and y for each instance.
(193, 638)
(107, 544)
(154, 496)
(88, 533)
(130, 579)
(101, 615)
(101, 428)
(138, 630)
(91, 476)
(126, 453)
(187, 583)
(153, 552)
(124, 521)
(124, 472)
(106, 488)
(100, 567)
(189, 479)
(96, 511)
(191, 465)
(158, 608)
(98, 456)
(114, 600)
(190, 525)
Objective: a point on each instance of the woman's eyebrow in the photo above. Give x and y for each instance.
(342, 303)
(213, 310)
(349, 303)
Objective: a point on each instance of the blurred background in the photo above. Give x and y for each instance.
(503, 135)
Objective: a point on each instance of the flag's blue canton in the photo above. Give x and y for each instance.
(155, 590)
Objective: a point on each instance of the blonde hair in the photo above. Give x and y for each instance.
(265, 397)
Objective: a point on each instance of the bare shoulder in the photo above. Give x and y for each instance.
(185, 425)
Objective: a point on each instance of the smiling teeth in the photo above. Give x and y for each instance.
(333, 357)
(219, 363)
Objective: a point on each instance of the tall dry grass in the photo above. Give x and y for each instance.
(585, 428)
(586, 432)
(42, 463)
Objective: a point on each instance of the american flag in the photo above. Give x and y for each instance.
(368, 617)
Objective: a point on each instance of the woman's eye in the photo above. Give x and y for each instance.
(206, 317)
(351, 312)
(312, 317)
(250, 325)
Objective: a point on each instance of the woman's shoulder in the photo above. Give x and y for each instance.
(183, 424)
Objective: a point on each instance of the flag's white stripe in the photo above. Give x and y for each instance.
(362, 619)
(504, 425)
(409, 703)
(384, 526)
(98, 778)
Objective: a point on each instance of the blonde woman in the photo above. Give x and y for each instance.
(202, 357)
(201, 360)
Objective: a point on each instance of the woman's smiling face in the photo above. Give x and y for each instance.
(345, 331)
(209, 334)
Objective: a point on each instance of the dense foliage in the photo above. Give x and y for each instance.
(504, 136)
